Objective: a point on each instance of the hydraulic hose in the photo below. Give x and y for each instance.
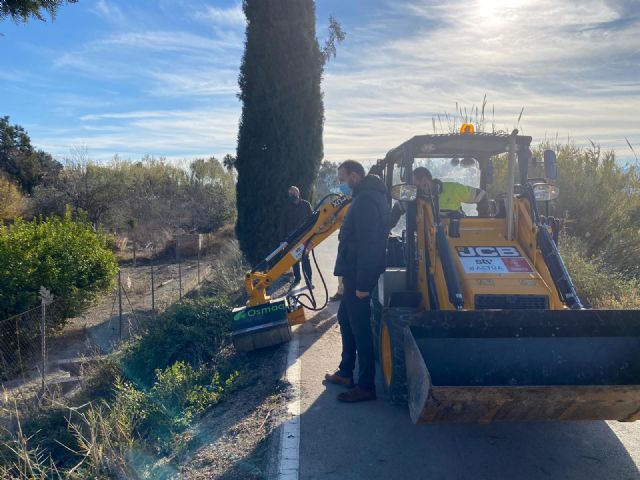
(312, 305)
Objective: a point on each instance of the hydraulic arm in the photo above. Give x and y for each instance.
(265, 321)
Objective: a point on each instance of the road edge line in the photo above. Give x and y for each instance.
(289, 462)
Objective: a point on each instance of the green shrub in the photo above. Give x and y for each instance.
(66, 256)
(179, 395)
(599, 200)
(191, 331)
(98, 381)
(598, 284)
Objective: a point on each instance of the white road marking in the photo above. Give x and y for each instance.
(289, 465)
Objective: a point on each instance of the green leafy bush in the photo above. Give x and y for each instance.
(599, 200)
(179, 395)
(192, 331)
(598, 284)
(64, 255)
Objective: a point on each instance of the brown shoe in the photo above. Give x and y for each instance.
(339, 380)
(357, 394)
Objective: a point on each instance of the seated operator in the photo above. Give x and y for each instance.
(452, 195)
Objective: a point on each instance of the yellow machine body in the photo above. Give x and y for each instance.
(486, 325)
(529, 275)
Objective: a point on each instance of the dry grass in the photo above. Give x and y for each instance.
(598, 284)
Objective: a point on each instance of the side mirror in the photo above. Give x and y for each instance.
(404, 192)
(545, 192)
(550, 165)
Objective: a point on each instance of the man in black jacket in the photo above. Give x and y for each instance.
(296, 212)
(361, 260)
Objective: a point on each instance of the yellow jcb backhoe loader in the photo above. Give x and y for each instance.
(476, 320)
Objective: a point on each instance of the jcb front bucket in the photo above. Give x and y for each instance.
(521, 365)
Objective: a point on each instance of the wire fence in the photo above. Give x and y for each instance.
(31, 342)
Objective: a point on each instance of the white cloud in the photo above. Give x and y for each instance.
(203, 82)
(572, 65)
(109, 11)
(171, 133)
(232, 16)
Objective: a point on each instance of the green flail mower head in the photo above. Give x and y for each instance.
(261, 326)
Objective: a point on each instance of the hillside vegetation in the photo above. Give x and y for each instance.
(599, 203)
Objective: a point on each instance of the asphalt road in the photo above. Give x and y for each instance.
(375, 440)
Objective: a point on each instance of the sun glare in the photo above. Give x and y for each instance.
(496, 11)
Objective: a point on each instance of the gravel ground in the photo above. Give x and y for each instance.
(238, 440)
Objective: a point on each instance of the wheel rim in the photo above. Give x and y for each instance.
(385, 354)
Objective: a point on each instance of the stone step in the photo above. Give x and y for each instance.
(65, 385)
(76, 366)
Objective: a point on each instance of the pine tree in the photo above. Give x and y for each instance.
(280, 136)
(22, 10)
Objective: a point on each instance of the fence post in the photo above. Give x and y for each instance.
(44, 341)
(134, 253)
(45, 298)
(120, 303)
(198, 261)
(179, 258)
(153, 293)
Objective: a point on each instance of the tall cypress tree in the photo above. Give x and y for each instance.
(280, 136)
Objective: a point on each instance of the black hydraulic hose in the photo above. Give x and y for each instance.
(549, 247)
(557, 268)
(313, 306)
(448, 268)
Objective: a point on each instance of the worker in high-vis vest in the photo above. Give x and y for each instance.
(452, 195)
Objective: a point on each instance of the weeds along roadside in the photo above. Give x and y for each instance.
(138, 404)
(597, 283)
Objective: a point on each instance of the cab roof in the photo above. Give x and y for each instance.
(483, 145)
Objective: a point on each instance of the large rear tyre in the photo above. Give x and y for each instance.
(391, 353)
(376, 324)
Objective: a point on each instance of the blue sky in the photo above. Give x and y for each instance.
(160, 77)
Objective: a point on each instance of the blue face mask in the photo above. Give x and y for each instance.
(345, 188)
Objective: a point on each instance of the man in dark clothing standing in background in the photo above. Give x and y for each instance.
(361, 260)
(296, 212)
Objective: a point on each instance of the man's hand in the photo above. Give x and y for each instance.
(361, 295)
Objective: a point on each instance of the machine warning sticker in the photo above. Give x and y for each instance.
(297, 252)
(493, 260)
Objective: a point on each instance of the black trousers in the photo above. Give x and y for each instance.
(357, 339)
(306, 267)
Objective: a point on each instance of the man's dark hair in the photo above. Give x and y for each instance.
(422, 172)
(351, 166)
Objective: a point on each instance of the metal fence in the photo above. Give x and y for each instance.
(23, 340)
(28, 339)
